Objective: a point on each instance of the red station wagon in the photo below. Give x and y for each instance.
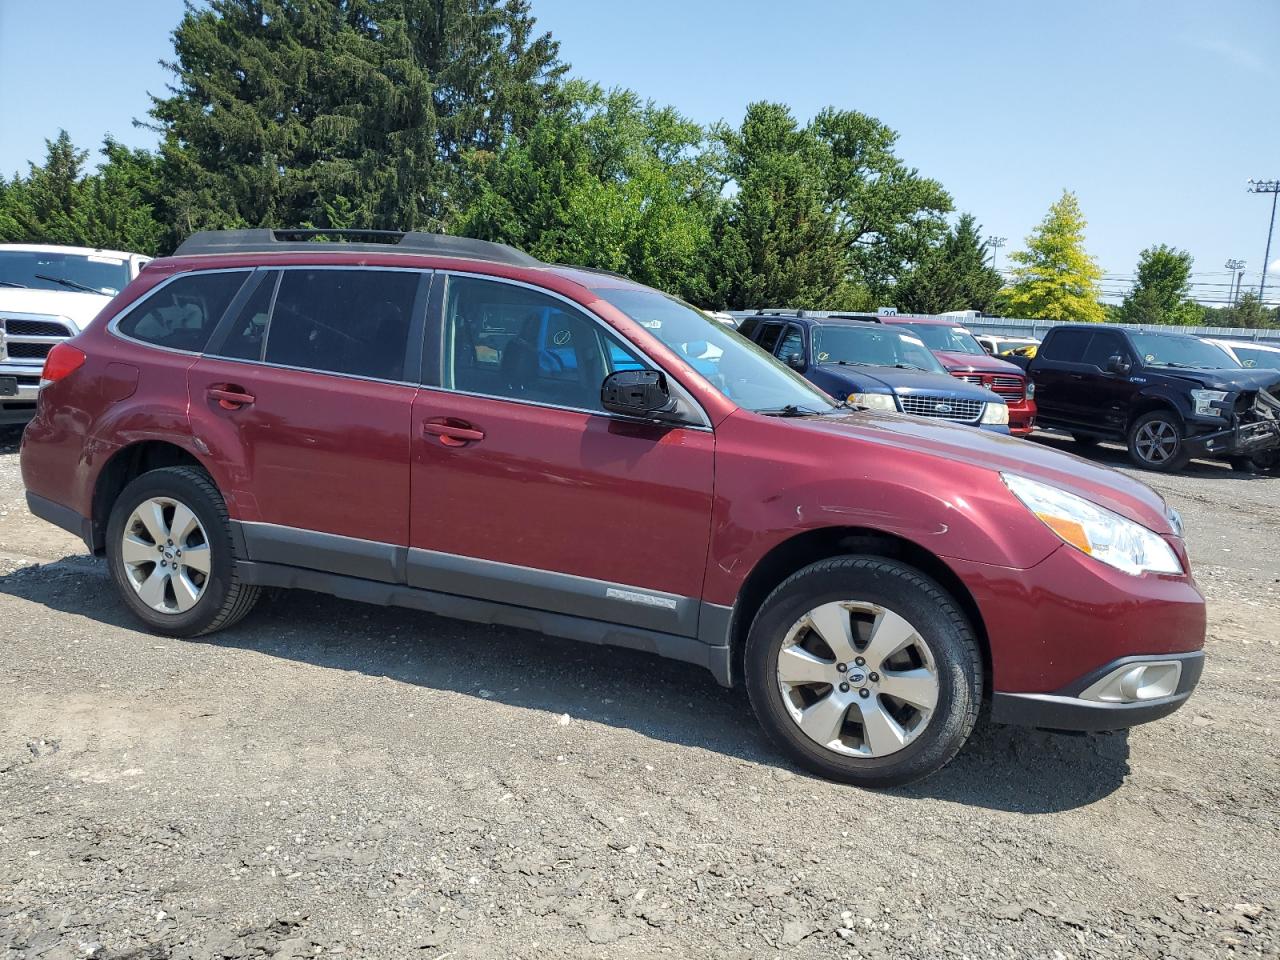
(453, 426)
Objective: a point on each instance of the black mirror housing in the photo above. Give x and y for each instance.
(1117, 364)
(795, 361)
(637, 393)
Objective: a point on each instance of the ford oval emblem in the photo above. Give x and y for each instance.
(942, 408)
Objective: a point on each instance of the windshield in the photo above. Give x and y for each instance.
(1253, 357)
(872, 344)
(740, 370)
(50, 270)
(950, 339)
(1159, 350)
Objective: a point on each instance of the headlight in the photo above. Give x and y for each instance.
(995, 413)
(874, 401)
(1031, 389)
(1204, 400)
(1094, 530)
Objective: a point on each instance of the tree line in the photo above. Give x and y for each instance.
(459, 116)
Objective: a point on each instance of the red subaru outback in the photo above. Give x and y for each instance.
(454, 426)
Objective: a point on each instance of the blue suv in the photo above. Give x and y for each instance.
(874, 365)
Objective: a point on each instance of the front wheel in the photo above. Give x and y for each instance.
(170, 554)
(1156, 442)
(864, 670)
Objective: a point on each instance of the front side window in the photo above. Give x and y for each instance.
(1161, 350)
(1102, 348)
(733, 365)
(769, 337)
(182, 314)
(947, 339)
(353, 322)
(57, 270)
(792, 344)
(503, 340)
(872, 345)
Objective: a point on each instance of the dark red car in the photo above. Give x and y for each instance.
(454, 426)
(964, 358)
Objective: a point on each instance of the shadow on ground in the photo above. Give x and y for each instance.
(1001, 768)
(1116, 456)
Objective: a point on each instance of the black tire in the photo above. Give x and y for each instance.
(1084, 439)
(224, 599)
(1245, 465)
(1164, 421)
(938, 621)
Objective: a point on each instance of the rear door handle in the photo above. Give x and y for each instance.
(230, 397)
(452, 434)
(1077, 376)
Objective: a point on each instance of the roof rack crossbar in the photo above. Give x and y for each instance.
(265, 240)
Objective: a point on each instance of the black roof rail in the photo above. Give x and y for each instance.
(362, 241)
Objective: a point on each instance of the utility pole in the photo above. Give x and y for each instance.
(1272, 187)
(995, 243)
(1237, 274)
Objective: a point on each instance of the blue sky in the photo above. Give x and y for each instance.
(1154, 113)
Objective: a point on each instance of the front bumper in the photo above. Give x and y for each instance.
(1071, 708)
(19, 407)
(1022, 417)
(1241, 440)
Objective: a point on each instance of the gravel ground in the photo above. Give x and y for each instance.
(329, 779)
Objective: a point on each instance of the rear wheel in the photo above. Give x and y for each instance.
(1156, 442)
(864, 670)
(170, 554)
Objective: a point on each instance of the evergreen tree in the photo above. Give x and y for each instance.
(1161, 290)
(1055, 278)
(776, 242)
(1247, 312)
(952, 275)
(280, 108)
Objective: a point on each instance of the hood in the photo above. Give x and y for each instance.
(977, 363)
(1000, 453)
(1228, 380)
(907, 381)
(77, 307)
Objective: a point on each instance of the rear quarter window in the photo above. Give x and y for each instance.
(182, 314)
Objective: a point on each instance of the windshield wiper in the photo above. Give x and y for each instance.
(73, 284)
(790, 410)
(12, 283)
(910, 366)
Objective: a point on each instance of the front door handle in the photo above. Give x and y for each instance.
(452, 434)
(230, 397)
(1077, 376)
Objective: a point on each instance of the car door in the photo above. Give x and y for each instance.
(1059, 372)
(304, 400)
(526, 492)
(1110, 394)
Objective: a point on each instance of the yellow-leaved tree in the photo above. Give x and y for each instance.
(1055, 278)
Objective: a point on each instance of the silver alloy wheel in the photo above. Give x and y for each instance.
(166, 555)
(1156, 441)
(857, 678)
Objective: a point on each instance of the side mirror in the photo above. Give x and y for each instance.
(794, 360)
(637, 393)
(1117, 364)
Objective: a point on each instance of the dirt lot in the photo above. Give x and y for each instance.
(331, 779)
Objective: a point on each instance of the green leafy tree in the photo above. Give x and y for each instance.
(279, 108)
(1247, 312)
(611, 182)
(952, 275)
(1161, 289)
(1055, 278)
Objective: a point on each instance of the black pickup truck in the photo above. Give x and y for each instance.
(1168, 396)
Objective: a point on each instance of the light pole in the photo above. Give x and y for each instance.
(1272, 187)
(1237, 274)
(995, 243)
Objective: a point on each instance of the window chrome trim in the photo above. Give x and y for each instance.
(113, 327)
(670, 424)
(601, 323)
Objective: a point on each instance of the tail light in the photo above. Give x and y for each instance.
(62, 361)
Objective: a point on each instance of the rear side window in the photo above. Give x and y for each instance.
(768, 338)
(1066, 345)
(182, 314)
(353, 322)
(248, 333)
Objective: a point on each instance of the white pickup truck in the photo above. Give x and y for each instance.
(48, 294)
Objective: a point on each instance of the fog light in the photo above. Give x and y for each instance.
(1136, 682)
